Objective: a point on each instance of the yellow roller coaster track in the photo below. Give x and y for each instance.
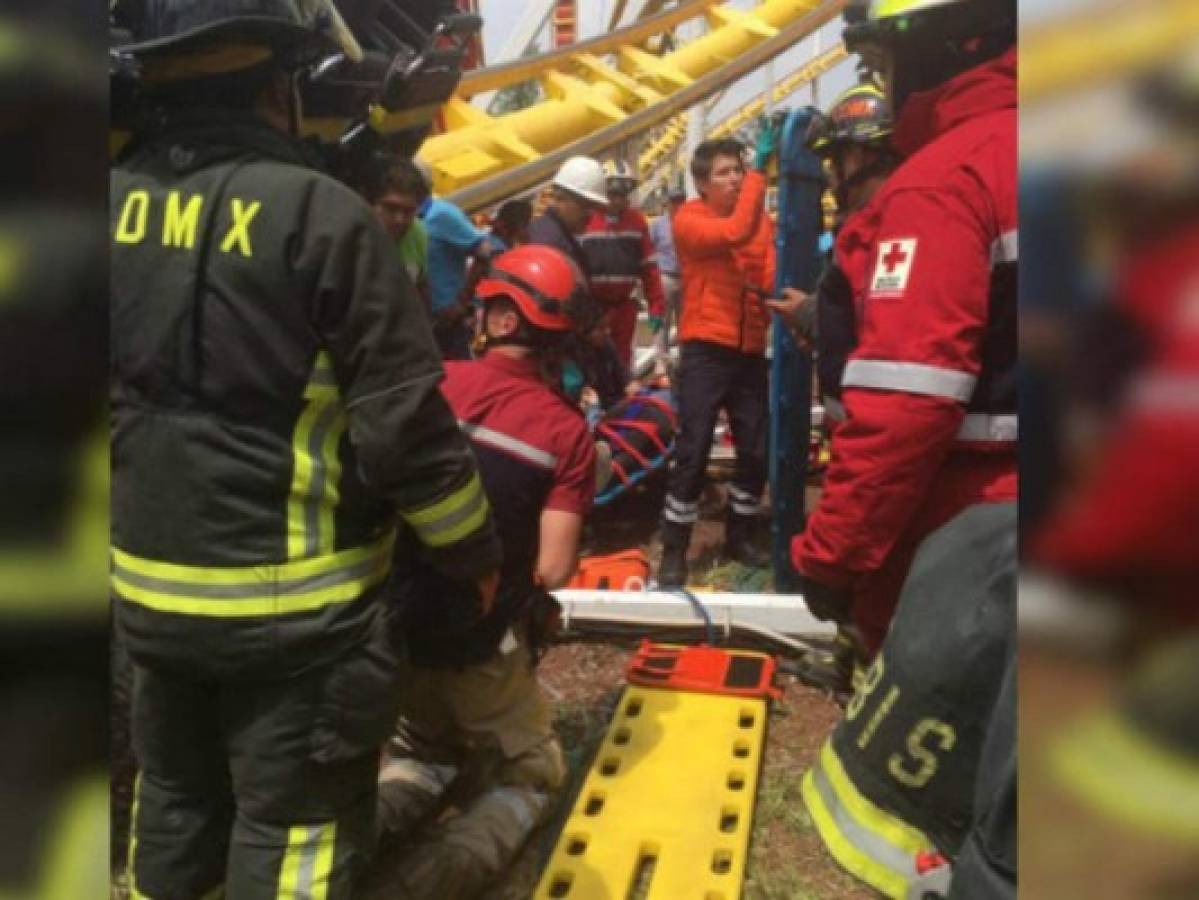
(1116, 41)
(660, 153)
(593, 104)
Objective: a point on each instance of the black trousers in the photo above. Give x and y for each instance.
(266, 788)
(711, 378)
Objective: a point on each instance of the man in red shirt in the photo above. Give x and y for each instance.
(621, 255)
(471, 702)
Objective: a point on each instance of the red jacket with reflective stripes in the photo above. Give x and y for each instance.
(620, 253)
(931, 261)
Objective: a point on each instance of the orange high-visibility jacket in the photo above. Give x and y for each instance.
(727, 265)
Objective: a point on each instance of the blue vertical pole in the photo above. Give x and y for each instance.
(797, 240)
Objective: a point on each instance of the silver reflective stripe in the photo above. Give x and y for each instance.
(615, 279)
(450, 521)
(319, 487)
(609, 236)
(983, 427)
(432, 779)
(868, 842)
(834, 409)
(509, 444)
(1006, 248)
(912, 378)
(742, 502)
(307, 865)
(1163, 393)
(525, 804)
(680, 511)
(253, 587)
(322, 372)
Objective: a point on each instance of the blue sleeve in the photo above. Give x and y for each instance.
(448, 223)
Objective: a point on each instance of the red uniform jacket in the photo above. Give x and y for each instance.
(930, 389)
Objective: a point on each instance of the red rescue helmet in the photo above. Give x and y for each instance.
(540, 280)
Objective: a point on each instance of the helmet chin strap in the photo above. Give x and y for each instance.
(293, 103)
(880, 166)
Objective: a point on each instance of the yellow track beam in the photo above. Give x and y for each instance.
(666, 143)
(808, 72)
(1100, 45)
(655, 156)
(593, 106)
(493, 78)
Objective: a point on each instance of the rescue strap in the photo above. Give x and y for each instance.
(268, 589)
(871, 844)
(666, 808)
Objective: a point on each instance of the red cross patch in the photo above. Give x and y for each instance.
(894, 266)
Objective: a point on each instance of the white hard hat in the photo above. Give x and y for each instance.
(584, 176)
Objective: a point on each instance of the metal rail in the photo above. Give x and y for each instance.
(486, 160)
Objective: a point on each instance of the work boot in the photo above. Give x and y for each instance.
(409, 790)
(472, 850)
(833, 669)
(739, 543)
(672, 571)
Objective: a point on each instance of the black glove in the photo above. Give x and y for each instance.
(826, 603)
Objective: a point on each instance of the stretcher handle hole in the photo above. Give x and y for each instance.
(610, 766)
(722, 862)
(622, 736)
(576, 846)
(746, 719)
(741, 750)
(595, 804)
(560, 886)
(633, 709)
(736, 781)
(714, 895)
(728, 820)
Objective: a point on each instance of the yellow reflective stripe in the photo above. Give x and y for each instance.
(316, 470)
(452, 518)
(263, 575)
(130, 868)
(893, 829)
(307, 862)
(1157, 790)
(202, 606)
(253, 591)
(848, 856)
(289, 871)
(866, 841)
(301, 483)
(323, 866)
(76, 863)
(332, 492)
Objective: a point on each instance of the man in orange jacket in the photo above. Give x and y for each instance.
(725, 245)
